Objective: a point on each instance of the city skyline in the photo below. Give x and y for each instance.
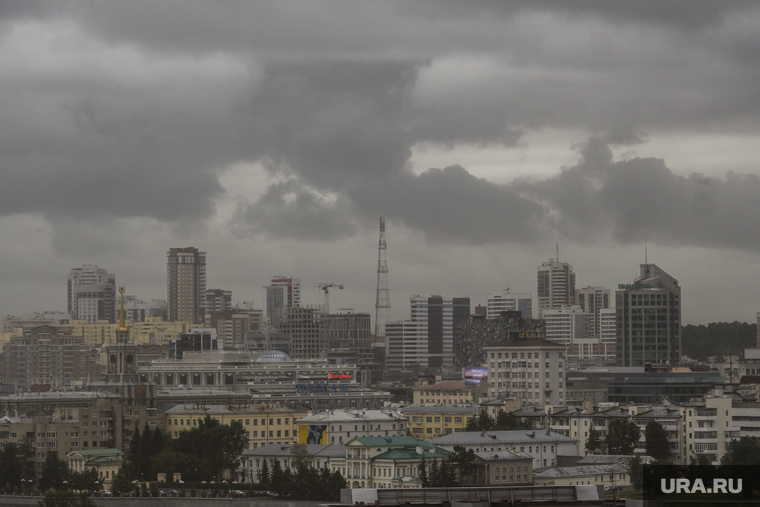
(273, 137)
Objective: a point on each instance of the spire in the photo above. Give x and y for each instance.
(557, 245)
(122, 325)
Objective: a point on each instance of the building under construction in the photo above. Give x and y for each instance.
(472, 336)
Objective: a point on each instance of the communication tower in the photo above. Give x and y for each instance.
(383, 301)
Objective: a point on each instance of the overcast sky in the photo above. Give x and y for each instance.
(272, 135)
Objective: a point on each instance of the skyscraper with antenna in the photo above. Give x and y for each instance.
(383, 300)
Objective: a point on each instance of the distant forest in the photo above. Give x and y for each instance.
(718, 339)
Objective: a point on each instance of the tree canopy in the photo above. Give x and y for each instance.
(657, 445)
(717, 338)
(622, 436)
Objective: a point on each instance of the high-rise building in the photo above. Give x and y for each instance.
(566, 325)
(231, 327)
(431, 331)
(218, 300)
(649, 319)
(137, 310)
(186, 284)
(351, 332)
(592, 300)
(282, 292)
(505, 301)
(556, 285)
(92, 294)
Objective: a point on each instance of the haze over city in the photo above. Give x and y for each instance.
(273, 136)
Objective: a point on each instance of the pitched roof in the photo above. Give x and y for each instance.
(430, 453)
(503, 455)
(500, 437)
(400, 441)
(352, 415)
(317, 450)
(580, 471)
(93, 453)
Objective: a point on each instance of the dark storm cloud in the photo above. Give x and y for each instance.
(132, 109)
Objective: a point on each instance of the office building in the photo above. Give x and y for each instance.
(427, 340)
(593, 300)
(531, 369)
(566, 325)
(231, 327)
(340, 426)
(282, 292)
(186, 284)
(649, 319)
(198, 340)
(92, 294)
(471, 337)
(505, 301)
(556, 285)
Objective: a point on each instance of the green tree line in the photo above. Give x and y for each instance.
(717, 339)
(305, 482)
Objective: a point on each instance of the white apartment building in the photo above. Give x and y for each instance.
(556, 285)
(592, 300)
(530, 369)
(567, 324)
(505, 301)
(92, 294)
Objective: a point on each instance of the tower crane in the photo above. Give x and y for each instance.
(326, 288)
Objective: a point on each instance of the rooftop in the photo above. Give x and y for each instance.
(500, 437)
(448, 385)
(317, 450)
(352, 415)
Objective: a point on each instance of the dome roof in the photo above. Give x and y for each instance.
(273, 356)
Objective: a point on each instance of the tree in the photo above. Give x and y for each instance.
(264, 472)
(58, 498)
(423, 473)
(481, 422)
(434, 475)
(745, 451)
(636, 471)
(121, 482)
(657, 445)
(462, 461)
(594, 444)
(447, 474)
(16, 463)
(301, 457)
(622, 436)
(54, 472)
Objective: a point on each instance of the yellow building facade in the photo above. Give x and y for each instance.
(263, 424)
(155, 330)
(433, 420)
(443, 393)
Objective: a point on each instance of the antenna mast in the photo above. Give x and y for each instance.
(383, 301)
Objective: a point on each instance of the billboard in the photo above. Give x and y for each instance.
(474, 374)
(312, 434)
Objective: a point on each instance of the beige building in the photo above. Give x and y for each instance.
(307, 329)
(443, 393)
(47, 355)
(502, 468)
(433, 420)
(532, 369)
(185, 285)
(154, 330)
(263, 424)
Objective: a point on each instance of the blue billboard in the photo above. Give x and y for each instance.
(474, 374)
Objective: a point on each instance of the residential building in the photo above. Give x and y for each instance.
(592, 300)
(543, 445)
(613, 475)
(231, 327)
(649, 319)
(263, 424)
(430, 342)
(186, 284)
(556, 286)
(448, 392)
(340, 426)
(307, 329)
(429, 420)
(671, 419)
(282, 292)
(505, 301)
(218, 300)
(47, 355)
(531, 369)
(708, 427)
(92, 294)
(320, 456)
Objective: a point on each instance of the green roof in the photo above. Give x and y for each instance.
(104, 460)
(393, 441)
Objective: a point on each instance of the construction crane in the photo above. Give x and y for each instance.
(326, 288)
